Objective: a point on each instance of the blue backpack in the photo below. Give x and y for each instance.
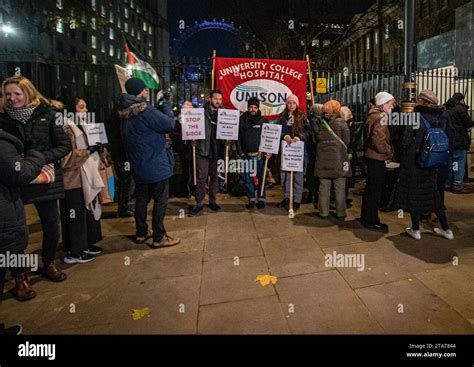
(435, 151)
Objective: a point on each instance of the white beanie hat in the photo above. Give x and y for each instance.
(382, 98)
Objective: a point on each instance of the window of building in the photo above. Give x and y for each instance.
(102, 47)
(119, 22)
(83, 17)
(138, 36)
(149, 30)
(133, 32)
(424, 8)
(111, 50)
(118, 53)
(326, 43)
(111, 33)
(94, 23)
(386, 31)
(150, 54)
(111, 17)
(144, 27)
(94, 4)
(60, 26)
(102, 11)
(443, 4)
(125, 12)
(94, 59)
(94, 42)
(132, 4)
(376, 37)
(60, 4)
(87, 78)
(367, 43)
(126, 27)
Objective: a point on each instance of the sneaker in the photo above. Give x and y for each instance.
(84, 258)
(415, 234)
(93, 250)
(215, 207)
(250, 205)
(196, 211)
(166, 241)
(12, 330)
(448, 234)
(260, 204)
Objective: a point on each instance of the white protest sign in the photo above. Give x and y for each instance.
(192, 124)
(292, 156)
(96, 134)
(270, 138)
(228, 124)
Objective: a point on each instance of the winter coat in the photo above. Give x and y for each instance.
(377, 141)
(417, 188)
(144, 130)
(16, 170)
(459, 124)
(250, 131)
(45, 133)
(332, 160)
(210, 147)
(287, 129)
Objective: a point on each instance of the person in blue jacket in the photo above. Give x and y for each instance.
(144, 130)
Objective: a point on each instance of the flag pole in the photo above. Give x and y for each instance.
(291, 193)
(213, 68)
(310, 80)
(194, 162)
(264, 175)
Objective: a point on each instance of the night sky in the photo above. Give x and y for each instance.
(258, 13)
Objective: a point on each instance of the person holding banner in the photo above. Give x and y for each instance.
(250, 129)
(82, 185)
(209, 151)
(332, 160)
(144, 130)
(295, 127)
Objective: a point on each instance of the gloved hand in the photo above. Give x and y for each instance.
(96, 148)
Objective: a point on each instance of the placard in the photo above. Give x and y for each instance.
(193, 124)
(292, 156)
(228, 124)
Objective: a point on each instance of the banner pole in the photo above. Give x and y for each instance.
(264, 176)
(194, 163)
(213, 68)
(310, 80)
(291, 192)
(226, 162)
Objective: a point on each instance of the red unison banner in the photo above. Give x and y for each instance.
(271, 81)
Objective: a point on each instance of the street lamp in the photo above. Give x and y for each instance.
(7, 29)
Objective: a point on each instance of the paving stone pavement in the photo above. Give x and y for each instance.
(206, 285)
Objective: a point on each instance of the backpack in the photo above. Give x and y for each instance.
(435, 151)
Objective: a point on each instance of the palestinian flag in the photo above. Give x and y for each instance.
(142, 70)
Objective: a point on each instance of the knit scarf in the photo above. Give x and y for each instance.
(21, 114)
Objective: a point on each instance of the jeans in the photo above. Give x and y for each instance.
(325, 193)
(159, 191)
(250, 174)
(298, 181)
(457, 171)
(49, 216)
(373, 191)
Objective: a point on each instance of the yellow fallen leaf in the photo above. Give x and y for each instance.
(142, 312)
(266, 279)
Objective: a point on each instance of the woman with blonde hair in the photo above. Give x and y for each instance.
(36, 121)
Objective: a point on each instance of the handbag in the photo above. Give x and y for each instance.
(106, 195)
(46, 176)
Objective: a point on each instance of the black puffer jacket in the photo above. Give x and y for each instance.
(43, 133)
(417, 187)
(458, 125)
(16, 170)
(250, 130)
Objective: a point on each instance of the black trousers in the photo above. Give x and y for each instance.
(80, 229)
(159, 191)
(125, 186)
(373, 191)
(49, 216)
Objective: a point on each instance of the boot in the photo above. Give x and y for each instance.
(51, 271)
(22, 290)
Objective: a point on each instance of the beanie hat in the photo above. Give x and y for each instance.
(429, 96)
(253, 101)
(382, 98)
(331, 106)
(134, 86)
(293, 98)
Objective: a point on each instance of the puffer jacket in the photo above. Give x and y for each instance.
(144, 130)
(377, 137)
(332, 160)
(16, 170)
(43, 132)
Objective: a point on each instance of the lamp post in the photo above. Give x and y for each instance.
(409, 86)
